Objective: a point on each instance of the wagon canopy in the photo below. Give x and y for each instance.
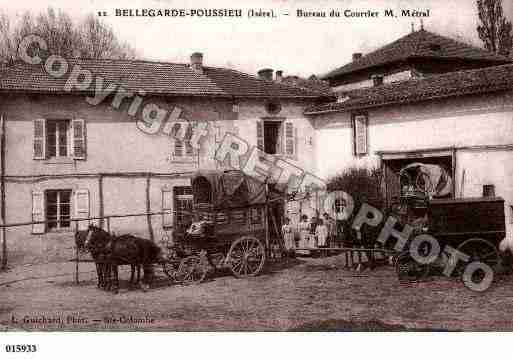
(430, 179)
(228, 189)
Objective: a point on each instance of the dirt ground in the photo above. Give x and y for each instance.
(303, 294)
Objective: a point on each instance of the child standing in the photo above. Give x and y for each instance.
(288, 235)
(304, 234)
(321, 232)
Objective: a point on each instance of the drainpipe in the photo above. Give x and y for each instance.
(2, 191)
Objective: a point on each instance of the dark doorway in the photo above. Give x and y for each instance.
(271, 137)
(392, 167)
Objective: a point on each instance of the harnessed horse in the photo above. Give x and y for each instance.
(109, 252)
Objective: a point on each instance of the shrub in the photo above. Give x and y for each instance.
(365, 186)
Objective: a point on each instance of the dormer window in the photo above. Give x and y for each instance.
(377, 80)
(435, 47)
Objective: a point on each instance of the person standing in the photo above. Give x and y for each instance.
(321, 233)
(288, 236)
(331, 227)
(342, 218)
(313, 225)
(304, 234)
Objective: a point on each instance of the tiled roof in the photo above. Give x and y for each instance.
(417, 44)
(450, 84)
(157, 78)
(311, 83)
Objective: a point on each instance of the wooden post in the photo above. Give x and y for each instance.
(76, 264)
(266, 219)
(281, 241)
(100, 198)
(2, 192)
(148, 207)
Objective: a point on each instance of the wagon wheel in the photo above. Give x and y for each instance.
(191, 270)
(246, 257)
(169, 269)
(408, 269)
(479, 250)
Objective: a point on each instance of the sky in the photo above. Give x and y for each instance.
(298, 46)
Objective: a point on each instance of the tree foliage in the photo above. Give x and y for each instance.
(494, 29)
(89, 38)
(363, 184)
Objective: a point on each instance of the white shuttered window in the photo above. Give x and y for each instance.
(360, 134)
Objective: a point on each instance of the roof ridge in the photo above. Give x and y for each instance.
(270, 82)
(381, 48)
(403, 48)
(462, 43)
(456, 83)
(431, 77)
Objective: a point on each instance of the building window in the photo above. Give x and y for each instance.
(221, 218)
(182, 147)
(238, 217)
(276, 137)
(377, 80)
(57, 132)
(183, 206)
(273, 108)
(360, 135)
(58, 209)
(256, 215)
(59, 138)
(489, 190)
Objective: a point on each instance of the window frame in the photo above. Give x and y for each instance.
(489, 190)
(177, 196)
(282, 137)
(182, 150)
(58, 227)
(57, 145)
(354, 117)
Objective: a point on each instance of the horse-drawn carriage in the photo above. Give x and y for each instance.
(229, 227)
(473, 226)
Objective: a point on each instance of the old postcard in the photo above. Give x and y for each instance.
(303, 166)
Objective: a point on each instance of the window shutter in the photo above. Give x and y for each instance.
(178, 150)
(79, 141)
(39, 139)
(290, 140)
(82, 208)
(38, 212)
(260, 135)
(189, 150)
(360, 134)
(167, 207)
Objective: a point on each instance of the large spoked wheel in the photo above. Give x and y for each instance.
(169, 269)
(479, 250)
(192, 270)
(246, 257)
(407, 268)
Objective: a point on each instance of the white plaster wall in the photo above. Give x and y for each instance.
(398, 76)
(474, 121)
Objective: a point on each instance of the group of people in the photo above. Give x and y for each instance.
(317, 232)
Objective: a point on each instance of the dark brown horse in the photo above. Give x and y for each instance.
(110, 251)
(97, 253)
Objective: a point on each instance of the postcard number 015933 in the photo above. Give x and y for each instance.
(20, 348)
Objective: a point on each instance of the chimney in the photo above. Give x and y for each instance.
(279, 76)
(197, 62)
(266, 74)
(357, 56)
